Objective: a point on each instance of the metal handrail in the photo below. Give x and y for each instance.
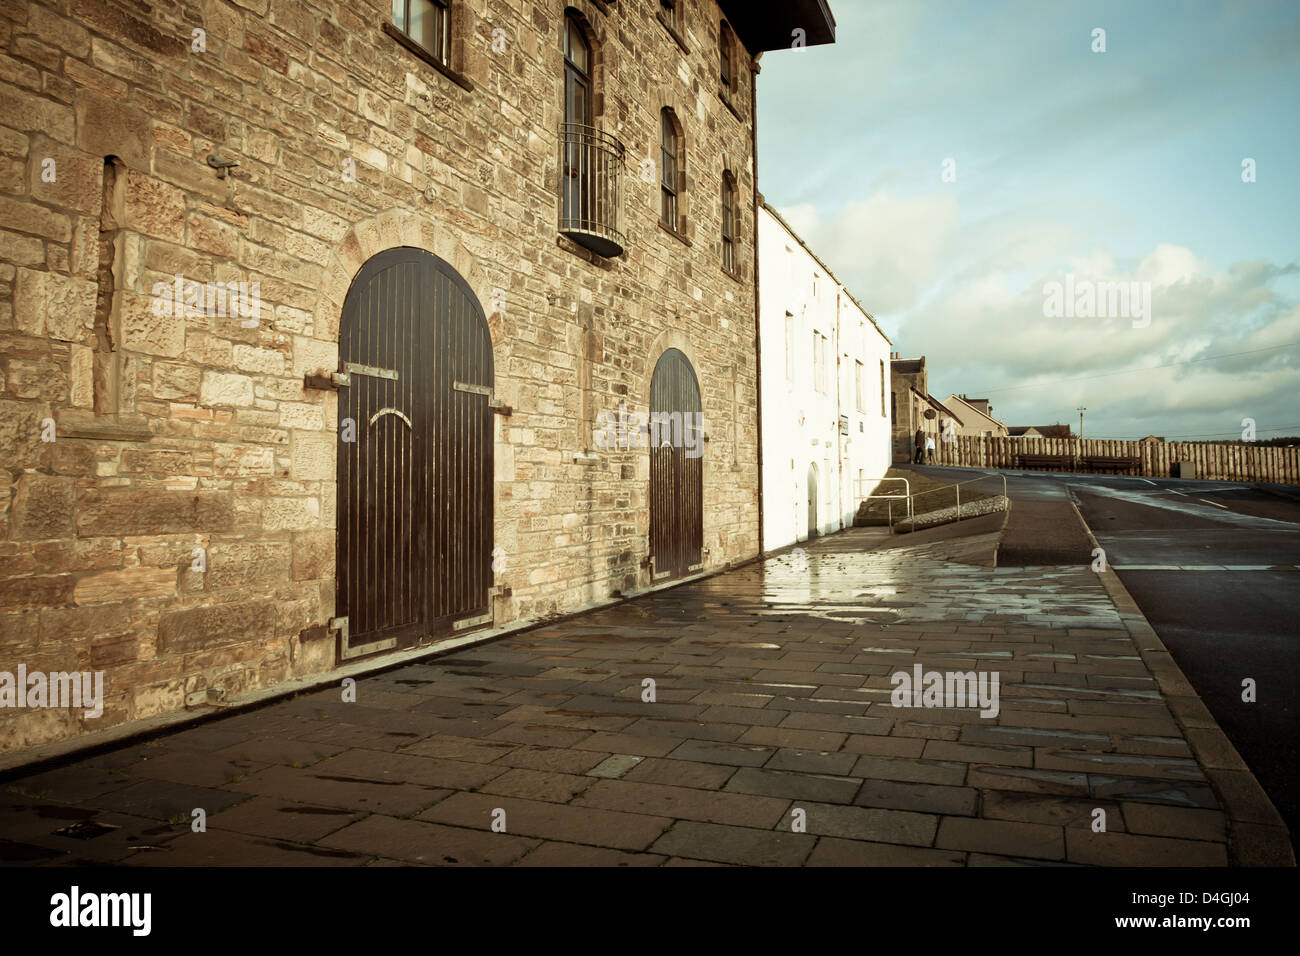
(891, 498)
(957, 485)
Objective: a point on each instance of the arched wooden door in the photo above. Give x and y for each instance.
(676, 468)
(812, 501)
(415, 462)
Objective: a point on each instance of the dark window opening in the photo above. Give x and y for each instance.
(428, 23)
(669, 150)
(727, 53)
(728, 222)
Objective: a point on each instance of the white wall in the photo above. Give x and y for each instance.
(801, 425)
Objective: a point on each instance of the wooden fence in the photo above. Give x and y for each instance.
(1219, 461)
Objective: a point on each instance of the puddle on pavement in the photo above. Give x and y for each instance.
(85, 830)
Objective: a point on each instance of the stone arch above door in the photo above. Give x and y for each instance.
(665, 340)
(387, 230)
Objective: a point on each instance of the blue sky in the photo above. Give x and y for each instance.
(1117, 166)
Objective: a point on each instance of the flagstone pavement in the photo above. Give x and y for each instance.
(771, 696)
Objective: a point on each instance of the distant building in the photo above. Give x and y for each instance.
(1151, 438)
(825, 414)
(912, 407)
(1040, 431)
(976, 415)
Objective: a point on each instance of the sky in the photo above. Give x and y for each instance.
(950, 160)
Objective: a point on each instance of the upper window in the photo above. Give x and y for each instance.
(577, 74)
(819, 362)
(789, 347)
(670, 150)
(857, 379)
(578, 179)
(428, 23)
(728, 222)
(671, 10)
(727, 59)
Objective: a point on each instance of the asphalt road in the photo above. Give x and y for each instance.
(1215, 567)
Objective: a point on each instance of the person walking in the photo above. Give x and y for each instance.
(919, 457)
(929, 449)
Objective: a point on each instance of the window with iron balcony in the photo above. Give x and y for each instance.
(591, 160)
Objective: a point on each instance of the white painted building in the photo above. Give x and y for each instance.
(825, 374)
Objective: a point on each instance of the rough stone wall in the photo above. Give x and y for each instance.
(907, 417)
(178, 531)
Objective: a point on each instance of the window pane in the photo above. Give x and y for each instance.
(575, 46)
(399, 14)
(668, 152)
(428, 25)
(728, 209)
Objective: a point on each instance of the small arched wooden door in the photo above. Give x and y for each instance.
(812, 501)
(415, 462)
(676, 468)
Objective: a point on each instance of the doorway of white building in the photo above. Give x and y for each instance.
(812, 501)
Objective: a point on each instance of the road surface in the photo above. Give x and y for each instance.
(1215, 567)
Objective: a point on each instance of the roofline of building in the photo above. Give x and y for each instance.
(818, 259)
(935, 402)
(977, 411)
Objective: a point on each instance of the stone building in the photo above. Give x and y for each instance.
(974, 417)
(912, 407)
(313, 314)
(826, 428)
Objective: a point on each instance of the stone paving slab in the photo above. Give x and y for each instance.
(772, 739)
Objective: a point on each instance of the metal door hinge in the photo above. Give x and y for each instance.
(347, 651)
(368, 370)
(499, 407)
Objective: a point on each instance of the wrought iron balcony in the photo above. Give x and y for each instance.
(591, 170)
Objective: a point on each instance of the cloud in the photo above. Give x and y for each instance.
(988, 334)
(889, 245)
(971, 298)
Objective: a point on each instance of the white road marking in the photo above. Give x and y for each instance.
(1215, 503)
(1205, 567)
(1223, 516)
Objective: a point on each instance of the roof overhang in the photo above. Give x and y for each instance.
(771, 26)
(938, 405)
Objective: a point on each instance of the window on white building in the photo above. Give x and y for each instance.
(819, 361)
(857, 382)
(789, 347)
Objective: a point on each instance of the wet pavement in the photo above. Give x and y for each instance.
(1217, 572)
(771, 739)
